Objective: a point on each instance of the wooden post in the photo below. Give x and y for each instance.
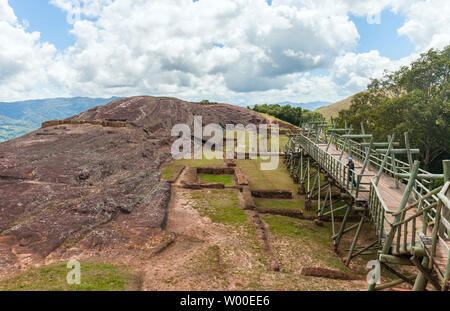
(331, 140)
(363, 131)
(446, 168)
(301, 164)
(318, 178)
(345, 144)
(337, 240)
(403, 202)
(367, 160)
(332, 209)
(391, 141)
(408, 151)
(308, 172)
(394, 169)
(355, 240)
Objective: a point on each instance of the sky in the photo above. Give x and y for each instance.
(237, 51)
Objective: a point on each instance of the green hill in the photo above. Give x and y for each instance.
(333, 109)
(19, 118)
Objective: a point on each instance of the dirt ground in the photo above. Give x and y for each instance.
(211, 255)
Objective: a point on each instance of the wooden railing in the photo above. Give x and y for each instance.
(378, 212)
(431, 205)
(337, 169)
(425, 197)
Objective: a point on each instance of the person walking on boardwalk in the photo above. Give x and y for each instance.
(351, 170)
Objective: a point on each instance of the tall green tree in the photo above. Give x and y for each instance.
(293, 115)
(414, 99)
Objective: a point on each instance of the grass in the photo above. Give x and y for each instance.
(170, 171)
(222, 206)
(333, 109)
(298, 228)
(94, 277)
(273, 118)
(268, 203)
(311, 237)
(277, 179)
(225, 179)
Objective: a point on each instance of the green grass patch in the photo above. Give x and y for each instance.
(226, 179)
(316, 239)
(171, 171)
(94, 277)
(297, 228)
(222, 206)
(269, 203)
(277, 179)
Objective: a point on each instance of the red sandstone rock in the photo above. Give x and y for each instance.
(94, 187)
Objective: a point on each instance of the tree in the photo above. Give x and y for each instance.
(414, 99)
(293, 115)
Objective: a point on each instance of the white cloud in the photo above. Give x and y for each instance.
(352, 72)
(142, 45)
(428, 24)
(6, 12)
(229, 50)
(23, 58)
(88, 8)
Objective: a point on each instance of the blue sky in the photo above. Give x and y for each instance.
(242, 52)
(45, 18)
(383, 36)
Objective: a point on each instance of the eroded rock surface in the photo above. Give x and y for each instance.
(94, 188)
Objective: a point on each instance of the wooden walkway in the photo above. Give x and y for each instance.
(400, 227)
(390, 194)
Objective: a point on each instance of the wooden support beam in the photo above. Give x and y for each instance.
(363, 131)
(421, 176)
(339, 130)
(356, 136)
(394, 260)
(421, 281)
(355, 240)
(385, 159)
(390, 284)
(409, 280)
(367, 159)
(426, 273)
(345, 144)
(408, 150)
(446, 168)
(398, 151)
(324, 125)
(395, 144)
(338, 237)
(362, 250)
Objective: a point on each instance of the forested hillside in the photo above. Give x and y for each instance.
(293, 115)
(19, 118)
(414, 99)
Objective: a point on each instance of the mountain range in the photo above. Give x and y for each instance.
(309, 106)
(19, 118)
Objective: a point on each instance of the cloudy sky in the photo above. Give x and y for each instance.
(236, 51)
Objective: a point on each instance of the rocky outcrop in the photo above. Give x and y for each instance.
(94, 187)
